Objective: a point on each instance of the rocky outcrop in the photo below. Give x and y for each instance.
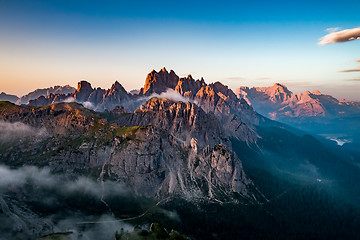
(8, 97)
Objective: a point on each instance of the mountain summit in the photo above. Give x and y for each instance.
(158, 82)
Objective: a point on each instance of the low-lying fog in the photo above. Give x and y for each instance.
(35, 202)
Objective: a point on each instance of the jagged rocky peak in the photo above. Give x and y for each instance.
(114, 96)
(279, 85)
(277, 93)
(117, 87)
(97, 95)
(83, 85)
(207, 98)
(158, 82)
(223, 91)
(316, 92)
(116, 90)
(83, 91)
(279, 88)
(188, 87)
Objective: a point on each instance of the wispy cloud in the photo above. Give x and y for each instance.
(331, 30)
(353, 80)
(352, 69)
(340, 36)
(171, 94)
(68, 204)
(52, 191)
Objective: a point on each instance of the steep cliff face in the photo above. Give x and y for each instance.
(163, 149)
(157, 164)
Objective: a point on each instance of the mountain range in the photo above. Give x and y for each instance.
(278, 102)
(194, 156)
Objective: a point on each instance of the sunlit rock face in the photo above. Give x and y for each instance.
(157, 82)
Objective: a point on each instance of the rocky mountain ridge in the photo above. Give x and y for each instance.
(57, 90)
(8, 97)
(216, 98)
(278, 102)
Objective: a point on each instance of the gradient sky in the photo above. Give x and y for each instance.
(244, 43)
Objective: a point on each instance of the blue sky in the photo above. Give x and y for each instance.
(243, 43)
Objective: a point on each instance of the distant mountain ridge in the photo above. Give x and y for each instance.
(8, 97)
(45, 92)
(278, 102)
